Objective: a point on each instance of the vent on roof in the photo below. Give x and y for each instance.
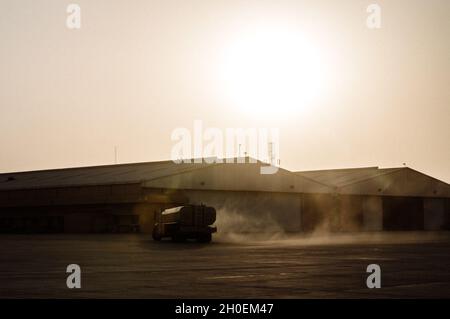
(10, 179)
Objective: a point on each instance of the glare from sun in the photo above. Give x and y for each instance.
(270, 72)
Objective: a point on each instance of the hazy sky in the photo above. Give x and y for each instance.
(136, 70)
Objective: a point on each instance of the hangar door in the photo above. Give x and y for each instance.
(403, 213)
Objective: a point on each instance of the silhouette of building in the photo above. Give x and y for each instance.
(125, 198)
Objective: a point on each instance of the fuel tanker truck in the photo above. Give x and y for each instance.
(185, 222)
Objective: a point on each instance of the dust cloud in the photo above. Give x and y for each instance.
(238, 228)
(252, 218)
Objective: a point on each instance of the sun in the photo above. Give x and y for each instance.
(271, 71)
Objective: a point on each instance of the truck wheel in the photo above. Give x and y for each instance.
(156, 235)
(204, 238)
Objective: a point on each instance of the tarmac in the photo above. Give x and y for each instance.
(413, 265)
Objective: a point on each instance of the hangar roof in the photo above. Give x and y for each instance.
(400, 181)
(166, 174)
(240, 177)
(95, 175)
(345, 176)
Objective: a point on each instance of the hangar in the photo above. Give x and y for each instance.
(374, 199)
(125, 198)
